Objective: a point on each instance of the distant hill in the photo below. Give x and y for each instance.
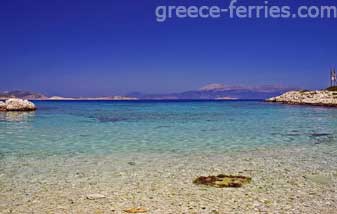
(220, 91)
(27, 95)
(213, 91)
(22, 95)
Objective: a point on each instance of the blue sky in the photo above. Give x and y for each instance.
(89, 48)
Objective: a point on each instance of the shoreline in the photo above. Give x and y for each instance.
(303, 104)
(284, 180)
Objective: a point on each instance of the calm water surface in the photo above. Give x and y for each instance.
(105, 127)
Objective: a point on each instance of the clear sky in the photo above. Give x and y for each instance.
(104, 47)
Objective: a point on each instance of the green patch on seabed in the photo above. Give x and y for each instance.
(320, 179)
(222, 181)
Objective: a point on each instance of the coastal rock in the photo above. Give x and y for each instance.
(15, 104)
(95, 196)
(320, 98)
(2, 106)
(222, 181)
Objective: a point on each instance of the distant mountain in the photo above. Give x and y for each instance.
(219, 87)
(27, 95)
(213, 91)
(220, 91)
(22, 95)
(93, 98)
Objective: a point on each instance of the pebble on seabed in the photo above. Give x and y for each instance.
(95, 196)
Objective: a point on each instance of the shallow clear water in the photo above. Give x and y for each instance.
(104, 127)
(147, 154)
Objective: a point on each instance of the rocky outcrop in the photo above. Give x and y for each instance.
(15, 104)
(2, 106)
(319, 98)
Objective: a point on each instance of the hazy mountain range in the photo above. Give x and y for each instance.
(212, 91)
(220, 91)
(23, 95)
(38, 96)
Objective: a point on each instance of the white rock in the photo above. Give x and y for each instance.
(324, 98)
(95, 196)
(19, 105)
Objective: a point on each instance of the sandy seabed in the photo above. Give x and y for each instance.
(293, 179)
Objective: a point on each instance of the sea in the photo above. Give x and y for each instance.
(120, 156)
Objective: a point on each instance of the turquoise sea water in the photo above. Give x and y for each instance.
(104, 127)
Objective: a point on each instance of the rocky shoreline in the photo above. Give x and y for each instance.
(316, 98)
(15, 104)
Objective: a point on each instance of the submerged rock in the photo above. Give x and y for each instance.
(222, 181)
(131, 163)
(110, 119)
(19, 105)
(95, 196)
(136, 210)
(320, 135)
(14, 116)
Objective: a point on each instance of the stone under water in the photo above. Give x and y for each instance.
(95, 196)
(136, 210)
(222, 181)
